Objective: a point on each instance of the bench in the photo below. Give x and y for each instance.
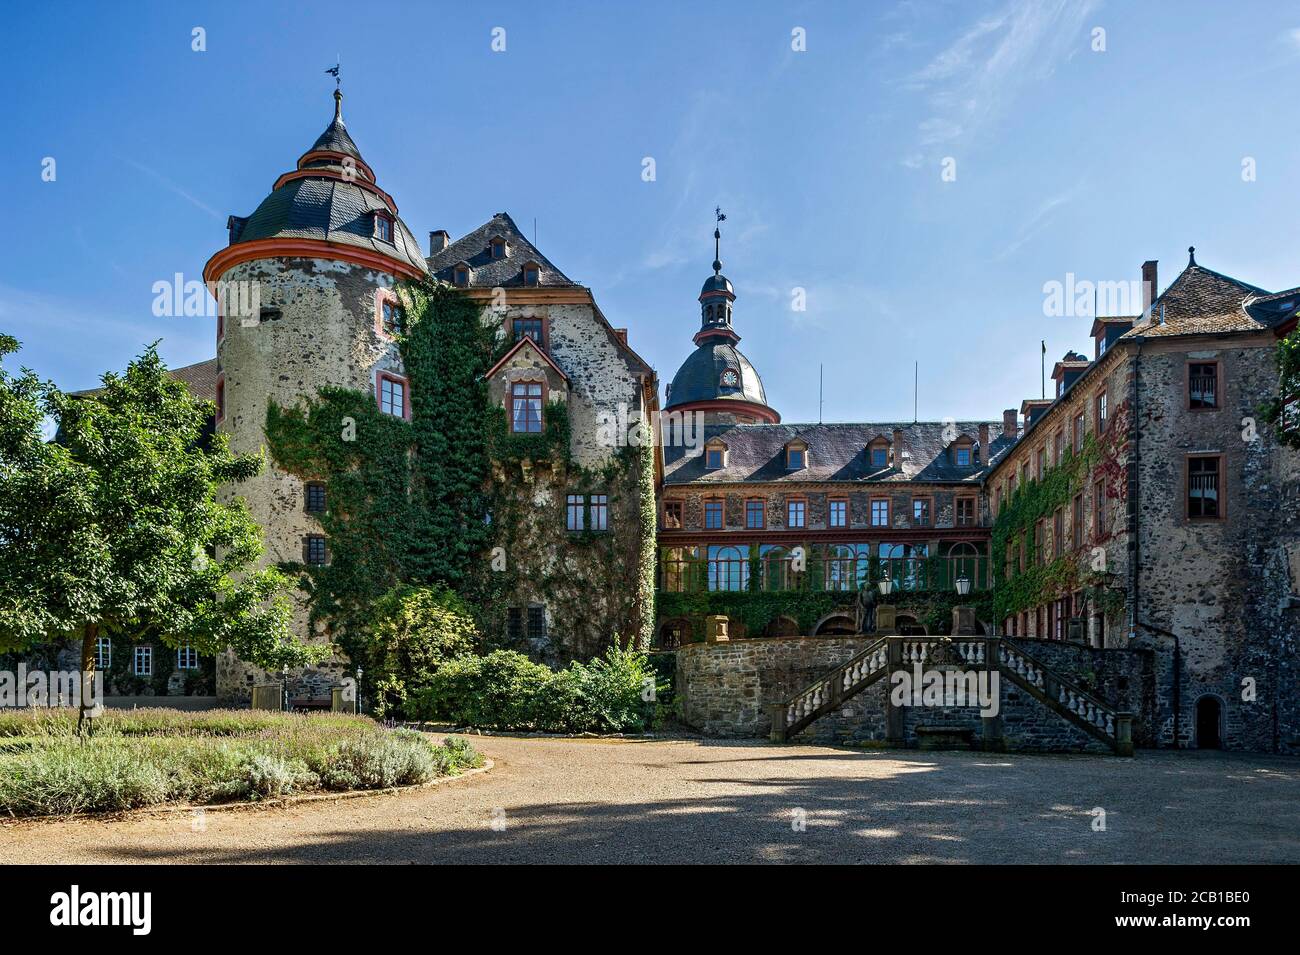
(944, 737)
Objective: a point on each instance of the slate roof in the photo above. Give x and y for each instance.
(200, 378)
(836, 452)
(700, 377)
(1202, 301)
(328, 208)
(487, 272)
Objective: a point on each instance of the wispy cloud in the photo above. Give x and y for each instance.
(173, 187)
(1037, 220)
(1292, 37)
(973, 81)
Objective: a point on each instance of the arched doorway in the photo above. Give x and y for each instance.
(835, 625)
(1209, 723)
(908, 626)
(783, 627)
(672, 634)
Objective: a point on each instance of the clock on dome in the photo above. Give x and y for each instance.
(730, 379)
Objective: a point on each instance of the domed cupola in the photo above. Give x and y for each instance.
(329, 207)
(716, 378)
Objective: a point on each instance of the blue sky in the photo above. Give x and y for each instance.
(827, 162)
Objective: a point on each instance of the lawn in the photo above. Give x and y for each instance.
(152, 757)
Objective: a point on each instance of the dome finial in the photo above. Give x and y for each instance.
(1191, 255)
(717, 239)
(338, 89)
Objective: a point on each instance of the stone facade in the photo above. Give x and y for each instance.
(727, 688)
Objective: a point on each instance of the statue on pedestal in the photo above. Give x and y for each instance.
(866, 608)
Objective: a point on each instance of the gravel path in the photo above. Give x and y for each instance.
(686, 800)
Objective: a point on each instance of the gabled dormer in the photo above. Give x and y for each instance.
(796, 455)
(1067, 371)
(715, 454)
(878, 449)
(1107, 331)
(961, 452)
(531, 272)
(462, 274)
(498, 247)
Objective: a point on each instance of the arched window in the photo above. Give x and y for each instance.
(728, 568)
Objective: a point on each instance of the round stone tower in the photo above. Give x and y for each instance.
(318, 260)
(716, 378)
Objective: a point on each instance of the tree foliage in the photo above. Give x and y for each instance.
(116, 527)
(416, 630)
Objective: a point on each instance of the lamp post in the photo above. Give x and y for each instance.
(963, 616)
(886, 585)
(284, 688)
(358, 689)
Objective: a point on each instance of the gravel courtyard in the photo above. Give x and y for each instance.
(688, 800)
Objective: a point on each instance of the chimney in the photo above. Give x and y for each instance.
(1009, 426)
(438, 240)
(1148, 286)
(984, 441)
(621, 335)
(898, 447)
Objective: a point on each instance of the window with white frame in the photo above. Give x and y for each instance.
(142, 663)
(187, 658)
(103, 653)
(392, 396)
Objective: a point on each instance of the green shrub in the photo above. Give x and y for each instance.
(505, 690)
(415, 630)
(132, 760)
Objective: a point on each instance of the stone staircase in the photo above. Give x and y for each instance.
(1054, 690)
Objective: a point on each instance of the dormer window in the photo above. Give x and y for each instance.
(963, 452)
(796, 456)
(532, 273)
(460, 275)
(498, 248)
(878, 453)
(715, 455)
(383, 227)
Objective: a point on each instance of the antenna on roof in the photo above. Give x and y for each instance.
(534, 231)
(1043, 370)
(916, 388)
(820, 376)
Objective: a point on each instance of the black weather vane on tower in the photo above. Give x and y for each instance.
(334, 72)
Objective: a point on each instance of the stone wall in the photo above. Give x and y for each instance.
(584, 583)
(726, 688)
(327, 334)
(1208, 580)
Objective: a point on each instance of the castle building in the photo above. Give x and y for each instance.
(1139, 532)
(327, 250)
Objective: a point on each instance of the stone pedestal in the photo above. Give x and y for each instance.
(715, 629)
(963, 621)
(887, 620)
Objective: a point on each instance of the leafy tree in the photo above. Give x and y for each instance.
(116, 528)
(416, 631)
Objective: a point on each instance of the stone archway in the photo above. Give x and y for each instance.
(672, 634)
(837, 624)
(782, 626)
(907, 625)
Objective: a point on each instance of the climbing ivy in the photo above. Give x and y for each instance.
(1284, 411)
(426, 501)
(1032, 501)
(406, 499)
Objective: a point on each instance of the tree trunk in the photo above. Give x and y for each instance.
(89, 636)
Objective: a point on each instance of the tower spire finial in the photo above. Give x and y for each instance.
(1191, 255)
(720, 217)
(334, 71)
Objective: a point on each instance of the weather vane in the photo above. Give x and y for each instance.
(334, 72)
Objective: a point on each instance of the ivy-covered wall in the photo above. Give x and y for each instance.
(453, 496)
